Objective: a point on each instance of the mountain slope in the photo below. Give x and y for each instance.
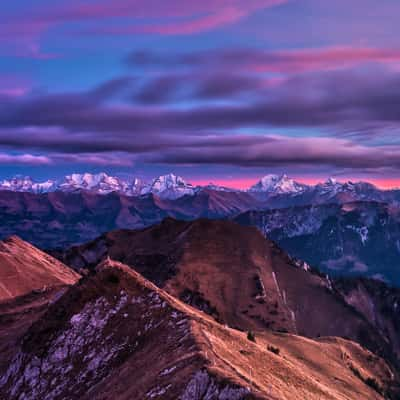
(378, 302)
(96, 341)
(24, 268)
(359, 238)
(61, 219)
(235, 275)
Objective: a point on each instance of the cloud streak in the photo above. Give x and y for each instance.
(175, 17)
(258, 60)
(24, 159)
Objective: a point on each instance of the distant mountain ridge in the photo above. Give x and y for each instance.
(279, 189)
(167, 186)
(351, 239)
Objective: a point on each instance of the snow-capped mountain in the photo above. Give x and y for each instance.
(278, 184)
(100, 183)
(169, 187)
(355, 190)
(276, 191)
(26, 184)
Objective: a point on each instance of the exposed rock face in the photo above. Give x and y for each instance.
(202, 386)
(116, 336)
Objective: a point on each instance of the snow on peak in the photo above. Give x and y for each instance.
(169, 186)
(362, 190)
(278, 184)
(26, 184)
(331, 181)
(101, 183)
(166, 186)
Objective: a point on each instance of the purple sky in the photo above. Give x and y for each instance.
(212, 90)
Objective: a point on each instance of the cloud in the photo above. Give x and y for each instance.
(170, 88)
(356, 108)
(281, 151)
(268, 150)
(13, 86)
(118, 159)
(111, 88)
(24, 159)
(21, 32)
(261, 61)
(341, 100)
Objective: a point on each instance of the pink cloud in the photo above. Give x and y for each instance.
(160, 9)
(13, 92)
(13, 86)
(188, 17)
(152, 16)
(306, 60)
(196, 25)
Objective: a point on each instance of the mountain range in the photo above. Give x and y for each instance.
(167, 186)
(275, 190)
(344, 229)
(139, 318)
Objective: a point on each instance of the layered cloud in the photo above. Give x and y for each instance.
(278, 61)
(340, 100)
(24, 159)
(240, 150)
(347, 114)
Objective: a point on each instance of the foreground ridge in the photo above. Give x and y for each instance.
(96, 341)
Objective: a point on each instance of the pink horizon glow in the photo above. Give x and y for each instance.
(306, 60)
(245, 183)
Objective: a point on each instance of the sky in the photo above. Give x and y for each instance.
(213, 90)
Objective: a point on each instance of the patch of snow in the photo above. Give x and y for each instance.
(167, 371)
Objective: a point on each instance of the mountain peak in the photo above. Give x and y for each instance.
(278, 184)
(169, 186)
(331, 181)
(101, 183)
(21, 183)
